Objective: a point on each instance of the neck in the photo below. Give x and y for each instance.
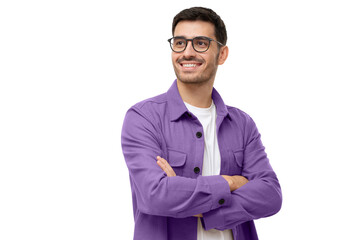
(198, 95)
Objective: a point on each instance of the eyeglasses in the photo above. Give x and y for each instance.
(199, 44)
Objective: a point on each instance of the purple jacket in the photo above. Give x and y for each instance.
(164, 206)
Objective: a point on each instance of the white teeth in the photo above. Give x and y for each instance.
(189, 65)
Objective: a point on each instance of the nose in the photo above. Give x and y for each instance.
(189, 50)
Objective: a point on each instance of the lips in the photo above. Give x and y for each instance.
(190, 65)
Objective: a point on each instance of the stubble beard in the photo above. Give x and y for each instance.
(194, 79)
(201, 78)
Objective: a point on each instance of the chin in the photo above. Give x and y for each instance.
(187, 78)
(191, 80)
(194, 78)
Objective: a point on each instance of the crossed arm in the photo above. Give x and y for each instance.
(234, 182)
(160, 192)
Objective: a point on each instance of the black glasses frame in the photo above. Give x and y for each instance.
(192, 43)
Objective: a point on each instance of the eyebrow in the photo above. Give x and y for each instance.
(193, 37)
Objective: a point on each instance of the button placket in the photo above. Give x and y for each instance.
(198, 135)
(199, 145)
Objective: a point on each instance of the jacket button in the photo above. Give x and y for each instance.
(221, 201)
(198, 134)
(196, 170)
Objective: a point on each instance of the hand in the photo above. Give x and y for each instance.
(235, 181)
(165, 166)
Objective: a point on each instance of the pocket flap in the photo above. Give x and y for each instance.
(176, 158)
(239, 157)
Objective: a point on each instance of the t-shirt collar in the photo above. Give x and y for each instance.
(177, 107)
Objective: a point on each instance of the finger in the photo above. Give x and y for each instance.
(161, 165)
(167, 168)
(162, 162)
(198, 215)
(170, 172)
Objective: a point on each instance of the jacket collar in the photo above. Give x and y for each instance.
(177, 107)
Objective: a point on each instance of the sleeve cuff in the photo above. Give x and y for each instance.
(212, 219)
(221, 195)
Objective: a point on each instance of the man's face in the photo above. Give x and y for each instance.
(191, 66)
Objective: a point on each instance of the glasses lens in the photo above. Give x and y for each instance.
(178, 44)
(201, 44)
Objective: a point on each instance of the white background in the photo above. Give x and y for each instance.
(69, 70)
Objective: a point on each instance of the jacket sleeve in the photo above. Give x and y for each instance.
(260, 197)
(153, 191)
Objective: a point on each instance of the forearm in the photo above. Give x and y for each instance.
(176, 196)
(181, 197)
(257, 199)
(234, 182)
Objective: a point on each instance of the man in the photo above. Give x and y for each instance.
(198, 169)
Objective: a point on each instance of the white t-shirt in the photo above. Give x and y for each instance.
(211, 162)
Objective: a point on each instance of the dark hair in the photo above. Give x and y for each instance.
(204, 14)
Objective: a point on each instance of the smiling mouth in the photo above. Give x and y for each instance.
(189, 66)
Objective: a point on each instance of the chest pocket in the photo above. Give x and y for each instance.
(236, 165)
(177, 161)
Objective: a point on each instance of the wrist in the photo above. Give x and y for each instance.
(230, 181)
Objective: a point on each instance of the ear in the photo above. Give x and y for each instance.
(223, 54)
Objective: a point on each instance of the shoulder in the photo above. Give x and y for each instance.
(238, 114)
(151, 107)
(243, 121)
(151, 103)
